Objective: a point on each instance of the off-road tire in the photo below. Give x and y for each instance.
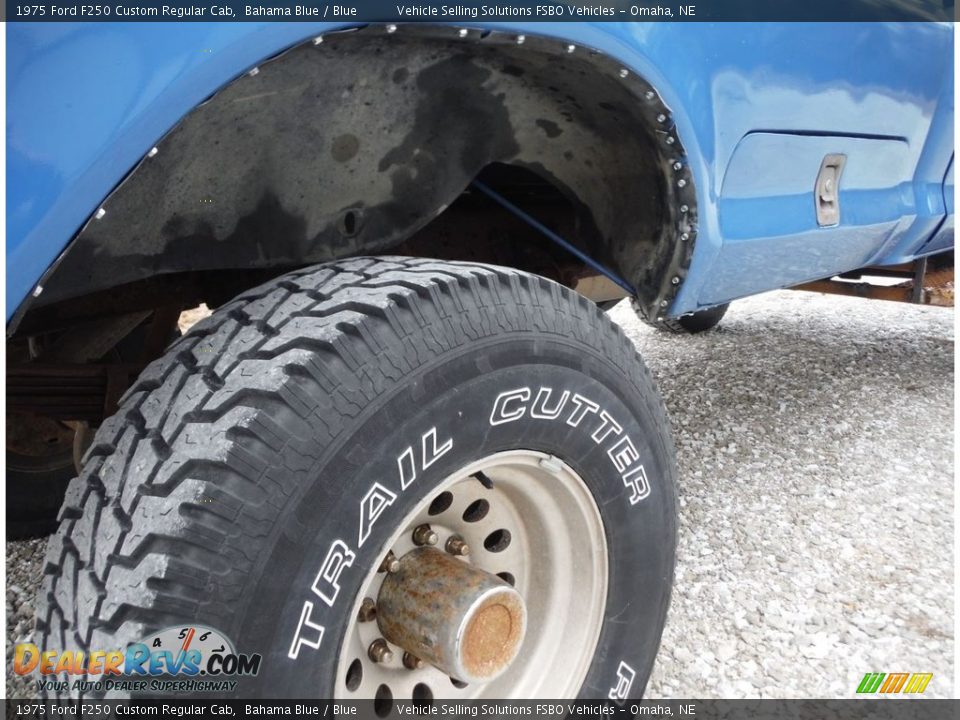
(213, 494)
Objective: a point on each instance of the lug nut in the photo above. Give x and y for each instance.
(424, 535)
(456, 545)
(379, 651)
(390, 563)
(368, 610)
(412, 662)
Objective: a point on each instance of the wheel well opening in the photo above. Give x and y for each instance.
(476, 228)
(242, 191)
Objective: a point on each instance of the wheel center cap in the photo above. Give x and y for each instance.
(465, 621)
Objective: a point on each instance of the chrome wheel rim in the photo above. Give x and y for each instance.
(528, 518)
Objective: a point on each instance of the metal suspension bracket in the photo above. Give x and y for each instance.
(551, 235)
(921, 282)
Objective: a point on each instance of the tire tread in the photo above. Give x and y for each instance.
(137, 543)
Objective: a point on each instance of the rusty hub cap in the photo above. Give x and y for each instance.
(503, 567)
(464, 621)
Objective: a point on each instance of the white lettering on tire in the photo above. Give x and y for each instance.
(339, 557)
(408, 468)
(377, 499)
(298, 639)
(584, 406)
(636, 480)
(621, 688)
(539, 409)
(326, 586)
(429, 454)
(432, 453)
(509, 406)
(513, 404)
(623, 454)
(501, 406)
(327, 582)
(609, 425)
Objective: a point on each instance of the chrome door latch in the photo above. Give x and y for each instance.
(827, 190)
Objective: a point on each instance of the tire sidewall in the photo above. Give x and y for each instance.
(454, 399)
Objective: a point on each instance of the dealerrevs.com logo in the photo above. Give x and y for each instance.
(192, 658)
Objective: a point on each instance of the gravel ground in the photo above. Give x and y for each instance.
(815, 442)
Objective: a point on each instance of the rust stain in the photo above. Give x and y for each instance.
(493, 636)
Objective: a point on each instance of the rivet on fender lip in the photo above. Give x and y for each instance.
(677, 166)
(462, 32)
(254, 71)
(571, 48)
(153, 151)
(391, 28)
(551, 465)
(521, 39)
(663, 303)
(684, 237)
(650, 95)
(681, 182)
(99, 213)
(683, 208)
(37, 290)
(319, 39)
(669, 140)
(675, 280)
(661, 118)
(624, 72)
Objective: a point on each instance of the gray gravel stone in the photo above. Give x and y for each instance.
(24, 565)
(815, 441)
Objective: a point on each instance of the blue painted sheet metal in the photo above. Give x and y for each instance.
(942, 238)
(772, 175)
(87, 101)
(782, 169)
(927, 184)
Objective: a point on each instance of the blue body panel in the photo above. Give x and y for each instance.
(756, 107)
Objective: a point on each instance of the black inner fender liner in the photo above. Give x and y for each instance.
(350, 145)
